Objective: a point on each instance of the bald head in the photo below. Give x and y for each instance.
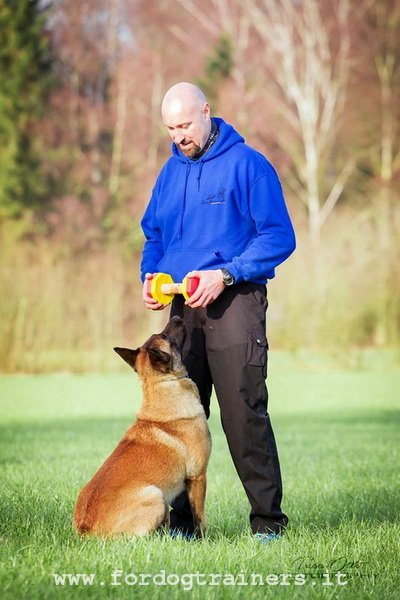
(180, 95)
(186, 114)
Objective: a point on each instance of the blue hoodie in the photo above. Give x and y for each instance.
(225, 209)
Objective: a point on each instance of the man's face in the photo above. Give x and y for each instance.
(188, 126)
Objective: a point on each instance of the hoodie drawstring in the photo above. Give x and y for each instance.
(200, 170)
(199, 174)
(184, 199)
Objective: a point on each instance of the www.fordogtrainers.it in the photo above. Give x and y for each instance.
(187, 581)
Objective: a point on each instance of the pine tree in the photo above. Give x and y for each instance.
(24, 81)
(218, 67)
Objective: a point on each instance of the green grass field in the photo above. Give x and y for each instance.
(337, 433)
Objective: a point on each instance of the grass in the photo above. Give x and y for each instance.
(337, 432)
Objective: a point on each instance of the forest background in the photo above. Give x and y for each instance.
(314, 85)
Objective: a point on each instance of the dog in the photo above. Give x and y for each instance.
(164, 452)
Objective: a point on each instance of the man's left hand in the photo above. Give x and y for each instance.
(210, 287)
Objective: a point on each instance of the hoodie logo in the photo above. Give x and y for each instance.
(218, 198)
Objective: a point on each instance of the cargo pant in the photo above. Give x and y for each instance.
(226, 346)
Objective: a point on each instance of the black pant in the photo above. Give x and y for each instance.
(226, 347)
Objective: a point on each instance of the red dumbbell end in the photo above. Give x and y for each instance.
(192, 285)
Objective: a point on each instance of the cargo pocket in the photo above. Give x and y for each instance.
(257, 347)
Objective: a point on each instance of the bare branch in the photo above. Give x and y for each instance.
(180, 34)
(296, 188)
(203, 18)
(336, 190)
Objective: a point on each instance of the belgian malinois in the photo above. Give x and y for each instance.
(164, 452)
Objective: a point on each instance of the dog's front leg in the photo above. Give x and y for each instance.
(196, 491)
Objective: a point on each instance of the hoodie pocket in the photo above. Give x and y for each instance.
(179, 262)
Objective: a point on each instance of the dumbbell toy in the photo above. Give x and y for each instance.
(161, 287)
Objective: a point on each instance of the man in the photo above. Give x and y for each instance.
(217, 212)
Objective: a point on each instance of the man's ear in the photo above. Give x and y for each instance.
(128, 355)
(159, 359)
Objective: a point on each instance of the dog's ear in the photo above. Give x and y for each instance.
(159, 359)
(128, 355)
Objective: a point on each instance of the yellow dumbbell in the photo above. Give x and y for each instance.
(161, 287)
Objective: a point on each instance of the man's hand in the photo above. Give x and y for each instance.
(150, 303)
(210, 287)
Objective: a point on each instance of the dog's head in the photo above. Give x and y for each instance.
(162, 352)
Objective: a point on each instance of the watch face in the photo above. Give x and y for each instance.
(227, 278)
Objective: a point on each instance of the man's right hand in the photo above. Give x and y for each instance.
(150, 303)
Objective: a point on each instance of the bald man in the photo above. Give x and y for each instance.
(217, 211)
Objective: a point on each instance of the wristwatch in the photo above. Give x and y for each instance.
(227, 277)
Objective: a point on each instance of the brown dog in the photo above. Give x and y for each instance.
(165, 451)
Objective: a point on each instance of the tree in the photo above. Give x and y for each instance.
(382, 30)
(305, 54)
(24, 83)
(383, 19)
(226, 27)
(219, 66)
